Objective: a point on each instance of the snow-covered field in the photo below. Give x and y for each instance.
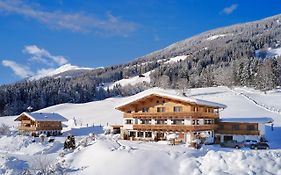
(108, 155)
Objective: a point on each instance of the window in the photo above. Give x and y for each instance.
(235, 127)
(178, 122)
(132, 134)
(148, 134)
(161, 121)
(210, 110)
(145, 121)
(208, 121)
(130, 111)
(177, 109)
(206, 109)
(195, 122)
(128, 122)
(160, 109)
(250, 127)
(157, 101)
(194, 108)
(163, 101)
(140, 134)
(145, 109)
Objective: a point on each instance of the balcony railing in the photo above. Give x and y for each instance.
(173, 115)
(34, 128)
(239, 132)
(180, 128)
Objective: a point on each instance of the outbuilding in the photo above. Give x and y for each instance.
(40, 123)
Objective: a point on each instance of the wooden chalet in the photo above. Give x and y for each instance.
(38, 123)
(154, 114)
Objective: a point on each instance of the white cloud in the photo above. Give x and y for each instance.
(19, 70)
(78, 22)
(43, 56)
(230, 9)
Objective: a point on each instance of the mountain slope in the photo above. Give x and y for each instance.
(219, 37)
(239, 55)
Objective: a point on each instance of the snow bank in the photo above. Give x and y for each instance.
(236, 162)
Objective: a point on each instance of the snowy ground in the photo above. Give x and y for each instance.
(108, 155)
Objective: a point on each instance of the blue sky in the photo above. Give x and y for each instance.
(38, 36)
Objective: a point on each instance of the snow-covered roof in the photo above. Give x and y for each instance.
(248, 120)
(36, 116)
(170, 94)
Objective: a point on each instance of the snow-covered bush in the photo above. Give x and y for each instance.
(4, 129)
(42, 165)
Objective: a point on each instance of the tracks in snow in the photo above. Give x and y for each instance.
(268, 108)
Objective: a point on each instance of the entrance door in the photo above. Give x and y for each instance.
(218, 139)
(160, 136)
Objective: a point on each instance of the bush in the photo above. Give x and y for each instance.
(4, 129)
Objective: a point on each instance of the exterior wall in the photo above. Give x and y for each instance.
(239, 138)
(261, 128)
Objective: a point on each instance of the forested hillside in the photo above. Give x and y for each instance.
(240, 55)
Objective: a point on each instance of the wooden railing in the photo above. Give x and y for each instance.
(180, 128)
(173, 115)
(34, 128)
(239, 132)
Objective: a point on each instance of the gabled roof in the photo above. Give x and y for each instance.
(248, 120)
(36, 116)
(168, 94)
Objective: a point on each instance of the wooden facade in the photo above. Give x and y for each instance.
(153, 117)
(236, 128)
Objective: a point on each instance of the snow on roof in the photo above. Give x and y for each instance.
(248, 120)
(170, 94)
(36, 116)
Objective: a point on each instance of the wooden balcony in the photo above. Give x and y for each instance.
(26, 128)
(34, 128)
(239, 132)
(179, 128)
(171, 115)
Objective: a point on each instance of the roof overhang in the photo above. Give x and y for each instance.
(261, 120)
(140, 97)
